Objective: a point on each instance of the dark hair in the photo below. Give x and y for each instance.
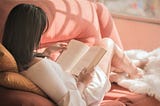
(23, 29)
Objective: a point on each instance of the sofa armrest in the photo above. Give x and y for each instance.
(9, 97)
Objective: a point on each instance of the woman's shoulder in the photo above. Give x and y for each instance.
(39, 62)
(43, 63)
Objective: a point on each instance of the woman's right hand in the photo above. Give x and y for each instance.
(86, 76)
(56, 48)
(59, 46)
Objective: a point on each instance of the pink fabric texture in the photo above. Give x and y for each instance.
(119, 96)
(69, 19)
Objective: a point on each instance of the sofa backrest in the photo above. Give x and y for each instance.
(69, 19)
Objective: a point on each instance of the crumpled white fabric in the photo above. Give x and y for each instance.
(96, 90)
(150, 81)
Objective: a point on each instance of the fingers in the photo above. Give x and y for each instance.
(88, 71)
(85, 76)
(60, 46)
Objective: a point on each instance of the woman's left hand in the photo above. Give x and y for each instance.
(57, 47)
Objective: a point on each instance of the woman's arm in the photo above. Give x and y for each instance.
(52, 51)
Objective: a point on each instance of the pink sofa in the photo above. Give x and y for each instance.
(68, 19)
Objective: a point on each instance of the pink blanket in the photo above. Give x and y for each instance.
(119, 96)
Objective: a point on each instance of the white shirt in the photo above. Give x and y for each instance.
(61, 86)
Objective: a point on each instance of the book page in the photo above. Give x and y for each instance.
(89, 60)
(75, 50)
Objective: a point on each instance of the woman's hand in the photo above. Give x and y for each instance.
(86, 76)
(57, 47)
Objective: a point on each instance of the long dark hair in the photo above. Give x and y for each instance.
(23, 29)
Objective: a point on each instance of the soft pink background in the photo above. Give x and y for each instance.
(138, 34)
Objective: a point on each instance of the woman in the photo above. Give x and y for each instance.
(23, 29)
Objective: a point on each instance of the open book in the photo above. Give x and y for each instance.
(79, 55)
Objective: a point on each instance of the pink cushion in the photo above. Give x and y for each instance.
(68, 19)
(78, 19)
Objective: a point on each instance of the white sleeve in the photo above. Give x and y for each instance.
(51, 82)
(42, 75)
(96, 90)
